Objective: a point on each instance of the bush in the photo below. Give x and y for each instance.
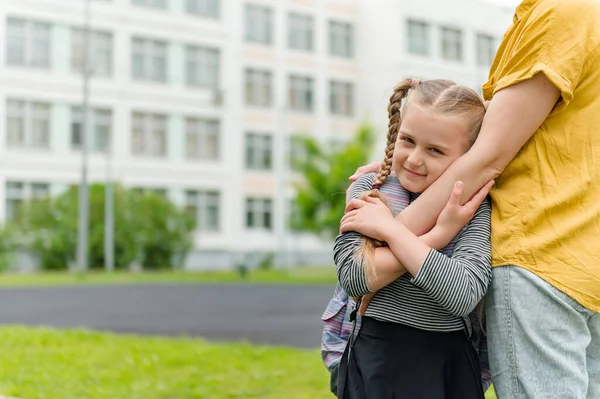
(7, 247)
(148, 229)
(164, 232)
(267, 262)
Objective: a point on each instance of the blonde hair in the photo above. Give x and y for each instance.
(444, 97)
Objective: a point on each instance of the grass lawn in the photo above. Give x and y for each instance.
(78, 364)
(51, 364)
(296, 275)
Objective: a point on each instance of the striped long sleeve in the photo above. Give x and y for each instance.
(350, 270)
(459, 282)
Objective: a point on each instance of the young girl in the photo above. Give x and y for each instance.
(414, 340)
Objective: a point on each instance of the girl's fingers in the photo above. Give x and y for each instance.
(354, 204)
(348, 216)
(348, 225)
(373, 200)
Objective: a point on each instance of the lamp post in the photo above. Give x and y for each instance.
(83, 209)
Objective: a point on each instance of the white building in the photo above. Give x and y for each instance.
(199, 98)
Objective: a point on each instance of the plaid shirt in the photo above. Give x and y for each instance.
(337, 327)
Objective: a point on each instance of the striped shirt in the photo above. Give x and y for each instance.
(449, 284)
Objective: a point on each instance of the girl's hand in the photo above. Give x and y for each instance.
(364, 304)
(371, 218)
(455, 216)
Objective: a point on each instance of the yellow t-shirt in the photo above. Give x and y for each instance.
(546, 203)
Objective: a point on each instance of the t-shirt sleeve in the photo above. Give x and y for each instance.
(553, 41)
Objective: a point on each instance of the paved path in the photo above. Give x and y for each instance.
(268, 314)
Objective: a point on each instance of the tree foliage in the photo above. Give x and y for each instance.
(148, 229)
(321, 194)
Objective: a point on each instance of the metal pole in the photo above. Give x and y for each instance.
(109, 245)
(283, 145)
(83, 214)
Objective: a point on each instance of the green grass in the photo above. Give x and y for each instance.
(49, 364)
(79, 364)
(297, 275)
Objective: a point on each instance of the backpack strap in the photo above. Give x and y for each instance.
(343, 369)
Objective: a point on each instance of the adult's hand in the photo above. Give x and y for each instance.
(368, 168)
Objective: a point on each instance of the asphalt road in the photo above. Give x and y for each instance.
(266, 314)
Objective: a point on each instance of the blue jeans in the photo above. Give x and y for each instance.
(542, 343)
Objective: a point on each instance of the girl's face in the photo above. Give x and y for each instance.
(427, 144)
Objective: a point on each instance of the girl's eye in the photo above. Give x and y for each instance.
(436, 151)
(408, 140)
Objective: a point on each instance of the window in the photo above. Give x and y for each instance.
(418, 37)
(149, 60)
(100, 120)
(151, 3)
(298, 154)
(301, 93)
(301, 32)
(341, 39)
(259, 151)
(486, 49)
(341, 98)
(27, 125)
(259, 213)
(202, 67)
(259, 24)
(18, 193)
(259, 87)
(202, 139)
(203, 8)
(205, 207)
(452, 44)
(27, 43)
(100, 52)
(149, 134)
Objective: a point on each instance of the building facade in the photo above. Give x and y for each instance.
(200, 100)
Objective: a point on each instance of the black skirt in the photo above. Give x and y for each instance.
(394, 361)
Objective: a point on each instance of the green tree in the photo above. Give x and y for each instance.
(148, 229)
(321, 194)
(164, 232)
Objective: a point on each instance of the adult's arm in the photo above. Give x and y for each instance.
(548, 57)
(513, 116)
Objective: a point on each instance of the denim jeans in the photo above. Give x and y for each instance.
(542, 343)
